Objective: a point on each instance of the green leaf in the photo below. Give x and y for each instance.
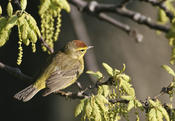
(4, 35)
(88, 110)
(11, 22)
(116, 71)
(153, 103)
(0, 10)
(124, 68)
(80, 107)
(157, 105)
(171, 41)
(97, 74)
(125, 77)
(106, 90)
(164, 112)
(130, 105)
(102, 101)
(137, 118)
(108, 69)
(138, 103)
(9, 9)
(159, 115)
(152, 115)
(168, 69)
(64, 5)
(127, 87)
(23, 4)
(125, 97)
(162, 18)
(3, 22)
(96, 110)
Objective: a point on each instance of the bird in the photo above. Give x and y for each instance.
(63, 69)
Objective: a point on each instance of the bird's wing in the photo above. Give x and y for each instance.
(62, 78)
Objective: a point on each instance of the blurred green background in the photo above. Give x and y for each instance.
(112, 46)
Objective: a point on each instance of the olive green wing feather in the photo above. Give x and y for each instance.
(62, 78)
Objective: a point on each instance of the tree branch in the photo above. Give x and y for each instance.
(94, 8)
(122, 26)
(82, 93)
(14, 71)
(161, 5)
(110, 20)
(75, 95)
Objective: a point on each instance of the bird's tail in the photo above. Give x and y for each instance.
(26, 94)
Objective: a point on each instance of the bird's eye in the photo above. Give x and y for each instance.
(82, 50)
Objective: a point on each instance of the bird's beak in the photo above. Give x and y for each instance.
(89, 47)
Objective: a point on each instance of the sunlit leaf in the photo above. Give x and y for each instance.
(96, 110)
(152, 115)
(125, 77)
(9, 9)
(79, 107)
(97, 74)
(130, 105)
(127, 87)
(159, 115)
(108, 69)
(65, 5)
(0, 10)
(168, 69)
(138, 103)
(102, 101)
(88, 110)
(104, 90)
(164, 112)
(23, 4)
(125, 97)
(124, 68)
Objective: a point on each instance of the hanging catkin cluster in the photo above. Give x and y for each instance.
(28, 30)
(50, 12)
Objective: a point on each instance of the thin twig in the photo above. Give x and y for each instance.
(51, 50)
(82, 93)
(76, 95)
(94, 8)
(120, 25)
(113, 101)
(161, 5)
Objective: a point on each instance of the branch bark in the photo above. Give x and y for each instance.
(94, 8)
(161, 5)
(14, 72)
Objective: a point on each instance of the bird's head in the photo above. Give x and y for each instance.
(76, 48)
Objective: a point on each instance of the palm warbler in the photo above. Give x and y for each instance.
(62, 71)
